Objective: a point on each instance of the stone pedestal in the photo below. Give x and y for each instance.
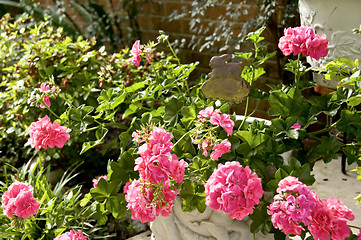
(209, 225)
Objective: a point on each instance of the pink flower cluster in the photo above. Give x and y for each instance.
(45, 134)
(145, 203)
(296, 205)
(156, 164)
(329, 220)
(71, 235)
(207, 142)
(95, 181)
(19, 200)
(153, 193)
(303, 40)
(216, 119)
(234, 189)
(137, 51)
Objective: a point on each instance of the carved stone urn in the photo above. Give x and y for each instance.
(336, 19)
(209, 225)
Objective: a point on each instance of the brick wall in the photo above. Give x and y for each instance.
(153, 16)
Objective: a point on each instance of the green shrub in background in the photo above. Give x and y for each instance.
(100, 97)
(115, 27)
(35, 53)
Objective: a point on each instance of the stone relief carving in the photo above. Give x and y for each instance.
(336, 19)
(209, 225)
(225, 83)
(326, 17)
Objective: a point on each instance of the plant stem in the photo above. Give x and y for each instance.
(325, 129)
(66, 100)
(184, 82)
(297, 76)
(354, 226)
(171, 49)
(48, 108)
(245, 114)
(186, 134)
(91, 129)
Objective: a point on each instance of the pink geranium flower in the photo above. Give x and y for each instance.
(25, 204)
(136, 52)
(207, 112)
(95, 181)
(293, 205)
(220, 149)
(330, 219)
(71, 235)
(149, 56)
(223, 121)
(234, 189)
(144, 205)
(320, 226)
(303, 40)
(19, 200)
(156, 163)
(296, 204)
(205, 146)
(296, 126)
(45, 134)
(44, 88)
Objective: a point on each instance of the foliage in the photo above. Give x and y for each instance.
(89, 19)
(59, 210)
(36, 53)
(102, 95)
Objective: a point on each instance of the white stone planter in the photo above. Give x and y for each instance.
(209, 225)
(336, 19)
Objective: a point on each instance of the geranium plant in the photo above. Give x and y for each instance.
(174, 141)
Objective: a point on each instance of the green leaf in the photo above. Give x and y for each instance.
(350, 123)
(327, 149)
(258, 72)
(85, 200)
(288, 104)
(100, 135)
(251, 138)
(135, 87)
(305, 176)
(171, 110)
(323, 104)
(119, 99)
(104, 190)
(191, 198)
(281, 174)
(81, 117)
(115, 204)
(258, 94)
(245, 56)
(124, 139)
(134, 107)
(260, 220)
(120, 171)
(354, 101)
(100, 214)
(189, 115)
(256, 36)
